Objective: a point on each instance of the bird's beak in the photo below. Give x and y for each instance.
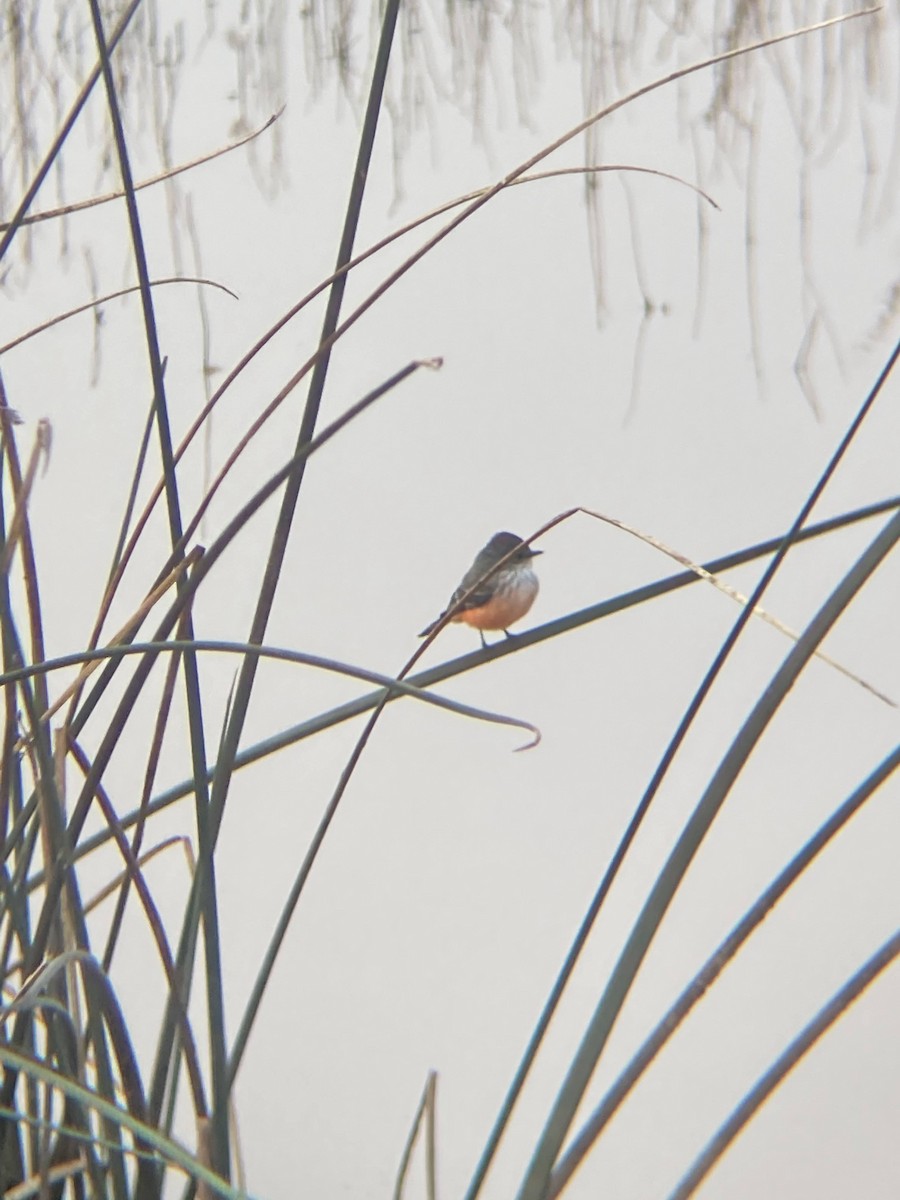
(533, 553)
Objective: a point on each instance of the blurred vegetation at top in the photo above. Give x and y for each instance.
(193, 77)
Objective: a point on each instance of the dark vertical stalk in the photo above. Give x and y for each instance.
(74, 112)
(310, 415)
(232, 735)
(219, 1134)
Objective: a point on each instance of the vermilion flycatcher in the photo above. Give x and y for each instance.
(504, 595)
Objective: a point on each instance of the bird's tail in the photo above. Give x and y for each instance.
(431, 628)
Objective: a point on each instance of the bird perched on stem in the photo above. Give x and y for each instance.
(499, 592)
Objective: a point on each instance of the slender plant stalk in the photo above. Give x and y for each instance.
(65, 210)
(98, 300)
(225, 764)
(785, 1063)
(69, 922)
(15, 1061)
(790, 539)
(536, 1181)
(34, 187)
(412, 1138)
(474, 201)
(725, 953)
(221, 1159)
(437, 674)
(262, 342)
(162, 719)
(133, 871)
(237, 524)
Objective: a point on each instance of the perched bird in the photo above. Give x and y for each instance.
(503, 595)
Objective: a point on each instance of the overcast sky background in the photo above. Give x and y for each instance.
(456, 872)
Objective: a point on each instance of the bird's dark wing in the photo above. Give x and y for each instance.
(476, 600)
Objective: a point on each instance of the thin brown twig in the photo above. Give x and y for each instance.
(292, 312)
(41, 447)
(739, 598)
(134, 872)
(82, 308)
(50, 214)
(133, 622)
(518, 175)
(113, 884)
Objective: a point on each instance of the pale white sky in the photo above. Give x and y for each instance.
(457, 872)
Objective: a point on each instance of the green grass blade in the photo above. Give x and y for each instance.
(168, 1149)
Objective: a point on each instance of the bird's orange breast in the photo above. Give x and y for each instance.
(501, 611)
